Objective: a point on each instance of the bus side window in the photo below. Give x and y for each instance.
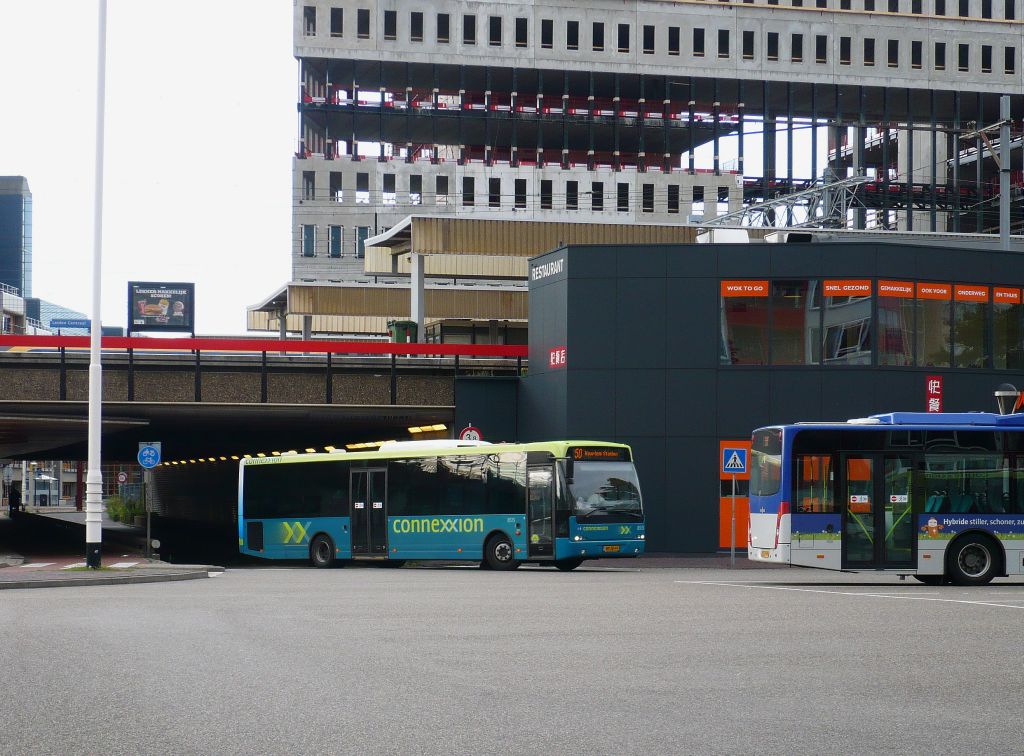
(814, 483)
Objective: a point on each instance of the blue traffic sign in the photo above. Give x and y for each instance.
(734, 460)
(149, 454)
(69, 323)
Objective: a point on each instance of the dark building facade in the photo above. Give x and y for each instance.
(674, 349)
(16, 234)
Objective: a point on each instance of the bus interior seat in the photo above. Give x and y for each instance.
(963, 503)
(935, 503)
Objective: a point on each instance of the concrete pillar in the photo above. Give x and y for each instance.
(307, 327)
(416, 306)
(282, 321)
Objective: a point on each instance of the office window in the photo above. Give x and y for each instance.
(598, 36)
(469, 29)
(1009, 10)
(309, 240)
(821, 3)
(798, 3)
(416, 26)
(673, 198)
(963, 57)
(337, 22)
(986, 58)
(468, 191)
(622, 197)
(522, 35)
(390, 196)
(494, 192)
(1007, 333)
(916, 6)
(820, 48)
(363, 23)
(845, 5)
(648, 40)
(648, 198)
(723, 43)
(773, 46)
(896, 324)
(1009, 60)
(916, 53)
(546, 191)
(441, 190)
(362, 234)
(788, 337)
(933, 326)
(673, 40)
(362, 188)
(797, 48)
(624, 38)
(844, 51)
(572, 35)
(965, 8)
(940, 7)
(572, 195)
(336, 193)
(698, 43)
(869, 5)
(773, 2)
(415, 189)
(547, 33)
(970, 327)
(308, 185)
(894, 53)
(869, 52)
(986, 8)
(309, 20)
(335, 235)
(443, 28)
(494, 31)
(744, 329)
(597, 196)
(894, 6)
(390, 24)
(520, 194)
(748, 45)
(940, 56)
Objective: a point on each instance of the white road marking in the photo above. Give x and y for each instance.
(847, 593)
(38, 564)
(72, 566)
(122, 565)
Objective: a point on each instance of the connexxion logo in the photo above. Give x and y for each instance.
(294, 532)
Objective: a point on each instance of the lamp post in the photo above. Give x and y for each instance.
(94, 475)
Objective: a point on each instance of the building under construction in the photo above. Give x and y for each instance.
(879, 114)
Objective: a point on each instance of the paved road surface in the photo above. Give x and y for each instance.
(463, 661)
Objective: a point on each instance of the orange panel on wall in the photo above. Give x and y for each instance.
(725, 521)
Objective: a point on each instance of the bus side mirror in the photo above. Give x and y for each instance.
(569, 467)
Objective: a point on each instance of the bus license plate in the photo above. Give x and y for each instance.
(611, 548)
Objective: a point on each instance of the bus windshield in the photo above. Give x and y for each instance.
(766, 462)
(604, 489)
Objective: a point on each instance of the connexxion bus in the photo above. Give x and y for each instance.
(938, 496)
(502, 504)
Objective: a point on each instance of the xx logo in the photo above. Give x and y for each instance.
(296, 531)
(623, 529)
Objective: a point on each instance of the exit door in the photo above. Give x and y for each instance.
(368, 490)
(541, 496)
(878, 505)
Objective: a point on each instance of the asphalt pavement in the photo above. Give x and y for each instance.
(606, 659)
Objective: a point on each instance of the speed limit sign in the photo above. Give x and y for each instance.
(122, 477)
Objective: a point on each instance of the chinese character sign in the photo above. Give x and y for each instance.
(556, 357)
(933, 393)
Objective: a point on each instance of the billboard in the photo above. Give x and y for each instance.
(161, 306)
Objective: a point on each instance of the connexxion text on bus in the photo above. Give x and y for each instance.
(557, 502)
(938, 496)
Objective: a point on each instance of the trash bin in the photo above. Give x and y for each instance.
(402, 331)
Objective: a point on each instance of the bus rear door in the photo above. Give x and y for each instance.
(878, 522)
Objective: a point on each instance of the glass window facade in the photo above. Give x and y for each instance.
(871, 322)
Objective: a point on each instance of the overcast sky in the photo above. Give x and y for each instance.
(201, 125)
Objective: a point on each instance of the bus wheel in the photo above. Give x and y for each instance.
(499, 553)
(972, 560)
(931, 579)
(321, 551)
(568, 564)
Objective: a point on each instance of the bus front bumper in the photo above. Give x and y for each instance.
(567, 549)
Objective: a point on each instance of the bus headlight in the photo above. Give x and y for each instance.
(577, 538)
(641, 537)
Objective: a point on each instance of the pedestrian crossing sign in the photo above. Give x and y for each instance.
(734, 460)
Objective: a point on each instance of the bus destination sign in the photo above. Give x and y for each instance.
(598, 453)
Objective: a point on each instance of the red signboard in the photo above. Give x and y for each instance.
(900, 289)
(970, 293)
(1006, 296)
(744, 288)
(847, 288)
(933, 392)
(556, 357)
(934, 291)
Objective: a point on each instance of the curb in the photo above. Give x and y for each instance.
(111, 580)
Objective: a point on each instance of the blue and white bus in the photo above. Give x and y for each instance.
(558, 503)
(938, 496)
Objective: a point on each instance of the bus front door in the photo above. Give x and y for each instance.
(369, 518)
(541, 495)
(878, 524)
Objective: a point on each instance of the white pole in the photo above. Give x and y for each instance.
(94, 475)
(1004, 173)
(732, 536)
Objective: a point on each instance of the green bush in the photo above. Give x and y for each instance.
(124, 510)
